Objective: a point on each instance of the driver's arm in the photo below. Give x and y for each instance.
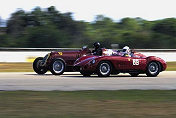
(99, 52)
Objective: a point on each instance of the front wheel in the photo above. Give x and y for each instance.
(104, 69)
(37, 66)
(57, 67)
(153, 69)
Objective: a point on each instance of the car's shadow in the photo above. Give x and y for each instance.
(117, 76)
(39, 74)
(49, 74)
(80, 76)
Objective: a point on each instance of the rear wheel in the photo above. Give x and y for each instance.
(86, 73)
(104, 69)
(37, 66)
(57, 67)
(153, 69)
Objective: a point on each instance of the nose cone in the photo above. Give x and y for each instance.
(164, 65)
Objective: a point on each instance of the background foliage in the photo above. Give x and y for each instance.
(50, 28)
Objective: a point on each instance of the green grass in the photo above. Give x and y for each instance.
(27, 67)
(88, 104)
(16, 67)
(171, 66)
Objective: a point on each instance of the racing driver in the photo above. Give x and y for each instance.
(126, 52)
(97, 50)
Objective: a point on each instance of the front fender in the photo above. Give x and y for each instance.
(157, 59)
(87, 63)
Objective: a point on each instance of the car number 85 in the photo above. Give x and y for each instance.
(135, 61)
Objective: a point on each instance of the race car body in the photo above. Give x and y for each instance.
(58, 61)
(114, 64)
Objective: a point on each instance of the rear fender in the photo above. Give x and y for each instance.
(60, 59)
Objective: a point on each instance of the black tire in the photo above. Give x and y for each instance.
(134, 74)
(153, 69)
(104, 69)
(37, 68)
(57, 67)
(86, 73)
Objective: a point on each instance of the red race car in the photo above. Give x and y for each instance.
(58, 62)
(116, 63)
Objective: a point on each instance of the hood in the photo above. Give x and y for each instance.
(154, 58)
(65, 52)
(137, 54)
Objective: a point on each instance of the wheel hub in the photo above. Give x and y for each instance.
(104, 68)
(153, 68)
(58, 66)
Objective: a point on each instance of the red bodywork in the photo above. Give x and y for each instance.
(68, 57)
(138, 63)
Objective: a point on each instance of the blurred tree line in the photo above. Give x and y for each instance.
(50, 28)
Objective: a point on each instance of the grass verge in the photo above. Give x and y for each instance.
(27, 67)
(16, 67)
(171, 66)
(88, 104)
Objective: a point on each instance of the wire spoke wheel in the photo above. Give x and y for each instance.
(104, 69)
(37, 66)
(57, 67)
(153, 69)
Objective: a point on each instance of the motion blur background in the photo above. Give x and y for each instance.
(56, 23)
(50, 28)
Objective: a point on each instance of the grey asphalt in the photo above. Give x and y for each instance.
(72, 81)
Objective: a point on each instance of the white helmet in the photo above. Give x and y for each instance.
(126, 49)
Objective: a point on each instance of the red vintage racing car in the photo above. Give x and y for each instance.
(113, 64)
(58, 62)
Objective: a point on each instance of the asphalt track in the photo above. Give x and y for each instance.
(74, 81)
